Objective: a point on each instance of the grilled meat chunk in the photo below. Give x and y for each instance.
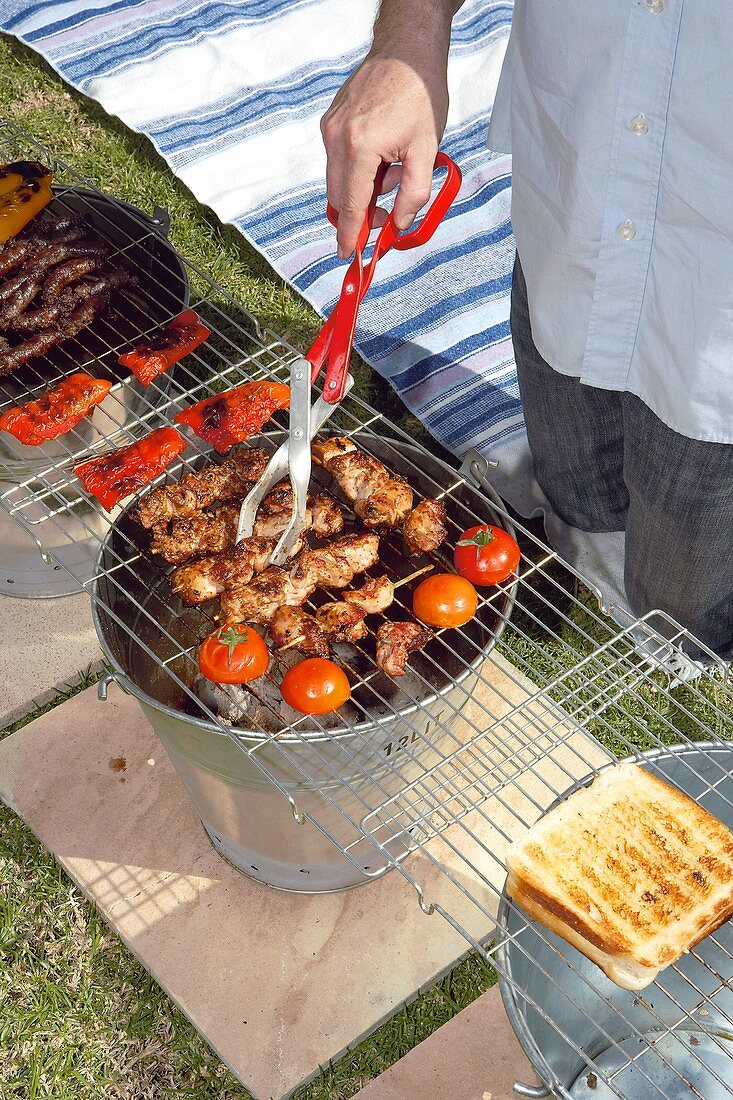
(259, 600)
(374, 596)
(396, 641)
(196, 491)
(323, 450)
(336, 621)
(203, 533)
(323, 515)
(378, 497)
(65, 328)
(342, 621)
(215, 532)
(333, 566)
(278, 500)
(387, 506)
(294, 627)
(202, 580)
(424, 529)
(44, 296)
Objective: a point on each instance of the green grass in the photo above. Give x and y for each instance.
(79, 1017)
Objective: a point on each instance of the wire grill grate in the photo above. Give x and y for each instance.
(535, 707)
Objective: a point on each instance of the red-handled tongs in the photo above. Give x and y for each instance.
(332, 349)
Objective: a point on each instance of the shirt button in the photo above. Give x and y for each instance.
(639, 125)
(655, 6)
(626, 231)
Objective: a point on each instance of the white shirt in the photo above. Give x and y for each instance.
(619, 116)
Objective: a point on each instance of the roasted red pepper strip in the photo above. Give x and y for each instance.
(113, 476)
(25, 188)
(57, 412)
(231, 417)
(158, 352)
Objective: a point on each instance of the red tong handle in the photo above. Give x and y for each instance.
(430, 220)
(333, 344)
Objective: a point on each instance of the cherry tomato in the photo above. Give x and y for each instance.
(486, 555)
(235, 655)
(445, 600)
(315, 686)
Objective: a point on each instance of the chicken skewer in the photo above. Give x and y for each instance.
(196, 491)
(378, 497)
(207, 577)
(313, 635)
(213, 533)
(333, 566)
(338, 621)
(395, 641)
(203, 580)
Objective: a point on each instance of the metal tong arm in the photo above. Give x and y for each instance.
(299, 458)
(277, 467)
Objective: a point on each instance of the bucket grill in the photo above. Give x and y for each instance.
(574, 694)
(158, 615)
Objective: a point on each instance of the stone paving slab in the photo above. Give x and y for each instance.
(277, 983)
(46, 643)
(474, 1056)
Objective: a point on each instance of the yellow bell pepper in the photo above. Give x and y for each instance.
(25, 188)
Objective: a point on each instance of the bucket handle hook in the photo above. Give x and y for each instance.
(299, 817)
(537, 1091)
(427, 908)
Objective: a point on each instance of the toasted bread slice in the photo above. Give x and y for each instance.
(630, 871)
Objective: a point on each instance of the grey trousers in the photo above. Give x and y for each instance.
(607, 463)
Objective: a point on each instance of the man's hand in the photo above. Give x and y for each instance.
(392, 108)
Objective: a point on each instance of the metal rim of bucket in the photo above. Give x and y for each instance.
(502, 956)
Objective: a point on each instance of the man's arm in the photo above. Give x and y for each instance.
(392, 108)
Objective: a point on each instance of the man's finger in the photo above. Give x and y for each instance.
(415, 185)
(334, 162)
(334, 180)
(391, 178)
(356, 192)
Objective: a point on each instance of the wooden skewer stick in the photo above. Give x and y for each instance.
(417, 573)
(405, 580)
(291, 645)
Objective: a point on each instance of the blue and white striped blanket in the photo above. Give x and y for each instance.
(231, 94)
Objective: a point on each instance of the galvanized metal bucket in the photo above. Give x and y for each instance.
(589, 1039)
(233, 785)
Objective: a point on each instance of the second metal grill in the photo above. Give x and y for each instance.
(559, 695)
